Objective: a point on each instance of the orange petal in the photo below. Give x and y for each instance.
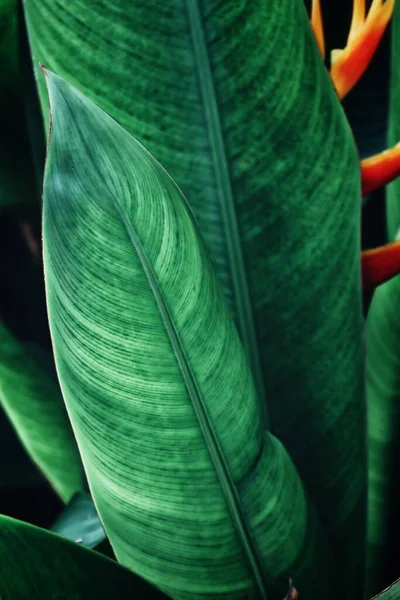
(380, 265)
(317, 26)
(348, 65)
(379, 170)
(357, 20)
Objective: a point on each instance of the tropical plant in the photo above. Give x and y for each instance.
(212, 418)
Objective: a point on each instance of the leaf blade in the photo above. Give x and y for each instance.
(120, 379)
(35, 563)
(35, 407)
(241, 302)
(294, 174)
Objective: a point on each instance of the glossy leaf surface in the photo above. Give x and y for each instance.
(80, 522)
(235, 102)
(34, 405)
(37, 564)
(193, 493)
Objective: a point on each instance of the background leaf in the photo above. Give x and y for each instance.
(383, 357)
(194, 495)
(37, 564)
(34, 405)
(80, 523)
(234, 100)
(393, 190)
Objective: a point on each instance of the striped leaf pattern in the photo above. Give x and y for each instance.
(194, 494)
(233, 99)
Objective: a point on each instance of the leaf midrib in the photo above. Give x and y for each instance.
(242, 302)
(254, 559)
(217, 456)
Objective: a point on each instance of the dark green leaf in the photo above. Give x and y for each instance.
(383, 370)
(393, 203)
(34, 405)
(37, 564)
(383, 338)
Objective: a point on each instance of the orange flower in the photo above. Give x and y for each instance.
(366, 31)
(347, 67)
(380, 169)
(317, 26)
(380, 264)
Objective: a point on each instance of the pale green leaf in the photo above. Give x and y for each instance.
(80, 522)
(193, 493)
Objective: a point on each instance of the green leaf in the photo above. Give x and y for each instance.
(233, 99)
(383, 363)
(393, 190)
(34, 405)
(37, 564)
(80, 523)
(193, 493)
(383, 358)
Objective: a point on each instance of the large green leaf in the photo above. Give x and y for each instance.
(34, 405)
(37, 564)
(383, 370)
(393, 190)
(193, 493)
(233, 99)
